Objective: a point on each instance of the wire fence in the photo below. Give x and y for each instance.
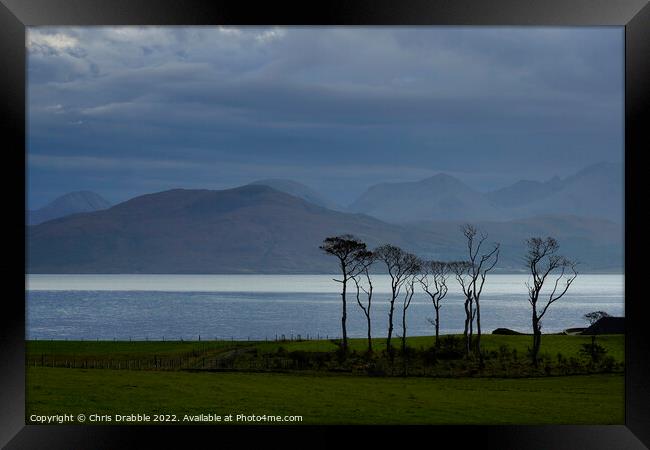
(202, 338)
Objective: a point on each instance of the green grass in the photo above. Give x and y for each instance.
(551, 345)
(330, 399)
(321, 397)
(126, 349)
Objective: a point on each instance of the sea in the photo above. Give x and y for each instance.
(268, 307)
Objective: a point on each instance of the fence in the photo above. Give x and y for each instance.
(218, 354)
(199, 338)
(168, 364)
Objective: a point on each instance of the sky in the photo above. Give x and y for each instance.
(125, 111)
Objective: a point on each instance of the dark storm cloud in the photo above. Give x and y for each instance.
(131, 110)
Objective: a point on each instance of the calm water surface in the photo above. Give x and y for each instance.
(126, 307)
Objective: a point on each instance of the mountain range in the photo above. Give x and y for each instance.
(259, 228)
(596, 192)
(252, 228)
(441, 197)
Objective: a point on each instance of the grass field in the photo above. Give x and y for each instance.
(330, 399)
(322, 397)
(551, 346)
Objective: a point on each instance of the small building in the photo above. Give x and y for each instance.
(506, 331)
(607, 325)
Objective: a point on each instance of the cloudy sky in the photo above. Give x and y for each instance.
(133, 110)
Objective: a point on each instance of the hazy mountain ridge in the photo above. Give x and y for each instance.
(70, 203)
(523, 192)
(251, 229)
(597, 191)
(440, 197)
(596, 244)
(257, 229)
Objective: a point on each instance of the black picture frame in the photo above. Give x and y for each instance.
(634, 15)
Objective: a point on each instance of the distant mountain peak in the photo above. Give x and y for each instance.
(297, 190)
(442, 178)
(70, 203)
(603, 167)
(595, 191)
(439, 197)
(277, 181)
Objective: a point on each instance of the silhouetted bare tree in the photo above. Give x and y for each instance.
(544, 262)
(471, 277)
(363, 283)
(347, 249)
(399, 264)
(433, 279)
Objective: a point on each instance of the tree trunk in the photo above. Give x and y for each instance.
(478, 333)
(344, 316)
(437, 327)
(369, 334)
(537, 338)
(470, 338)
(466, 334)
(390, 325)
(404, 331)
